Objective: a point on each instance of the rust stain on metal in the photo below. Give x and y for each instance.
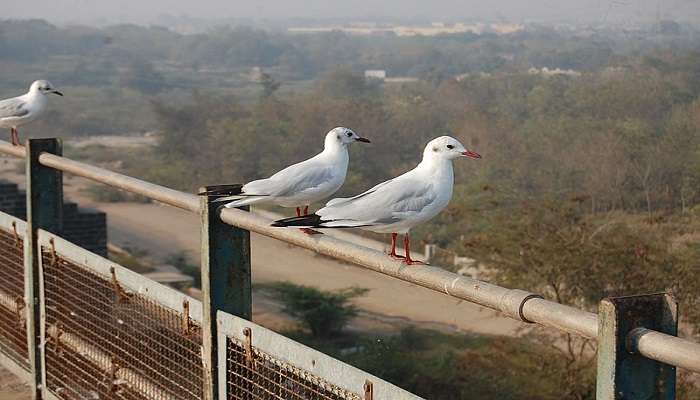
(122, 295)
(54, 256)
(55, 334)
(116, 385)
(15, 234)
(369, 390)
(19, 304)
(249, 356)
(186, 321)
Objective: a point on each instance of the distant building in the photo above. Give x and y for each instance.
(551, 72)
(375, 74)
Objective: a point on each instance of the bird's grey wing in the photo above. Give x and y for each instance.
(341, 200)
(389, 203)
(12, 108)
(291, 181)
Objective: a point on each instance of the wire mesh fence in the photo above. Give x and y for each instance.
(13, 328)
(104, 341)
(253, 374)
(263, 365)
(110, 333)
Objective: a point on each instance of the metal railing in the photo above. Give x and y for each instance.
(642, 335)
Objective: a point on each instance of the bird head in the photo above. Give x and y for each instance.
(447, 147)
(44, 87)
(344, 136)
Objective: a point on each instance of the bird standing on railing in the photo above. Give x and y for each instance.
(26, 108)
(300, 184)
(399, 204)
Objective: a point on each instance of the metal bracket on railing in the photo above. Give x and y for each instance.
(249, 355)
(55, 333)
(54, 255)
(369, 390)
(19, 305)
(15, 234)
(116, 386)
(186, 321)
(122, 295)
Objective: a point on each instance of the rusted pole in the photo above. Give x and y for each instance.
(226, 284)
(44, 211)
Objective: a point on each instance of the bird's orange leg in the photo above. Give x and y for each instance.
(392, 253)
(308, 231)
(407, 248)
(14, 136)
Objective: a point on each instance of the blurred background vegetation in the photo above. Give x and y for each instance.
(589, 184)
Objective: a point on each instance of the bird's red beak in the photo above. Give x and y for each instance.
(471, 154)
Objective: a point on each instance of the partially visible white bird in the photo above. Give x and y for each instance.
(399, 204)
(26, 108)
(300, 184)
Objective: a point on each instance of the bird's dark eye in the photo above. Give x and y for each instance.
(449, 146)
(349, 134)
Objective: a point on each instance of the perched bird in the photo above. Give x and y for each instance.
(399, 204)
(25, 108)
(300, 184)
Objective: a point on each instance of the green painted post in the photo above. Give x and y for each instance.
(226, 283)
(44, 211)
(623, 375)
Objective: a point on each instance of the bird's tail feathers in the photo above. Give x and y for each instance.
(308, 221)
(221, 191)
(245, 201)
(314, 221)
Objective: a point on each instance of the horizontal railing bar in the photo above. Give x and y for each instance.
(665, 348)
(163, 194)
(9, 149)
(514, 303)
(159, 193)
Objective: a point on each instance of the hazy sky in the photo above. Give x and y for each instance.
(146, 11)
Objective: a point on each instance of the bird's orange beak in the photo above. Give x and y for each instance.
(471, 154)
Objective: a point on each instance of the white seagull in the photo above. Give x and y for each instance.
(399, 204)
(26, 108)
(300, 184)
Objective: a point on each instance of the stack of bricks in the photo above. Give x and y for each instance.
(85, 228)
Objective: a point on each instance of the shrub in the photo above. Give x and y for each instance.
(323, 313)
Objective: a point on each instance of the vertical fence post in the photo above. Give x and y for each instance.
(44, 211)
(226, 283)
(621, 373)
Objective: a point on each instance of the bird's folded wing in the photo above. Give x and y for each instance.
(341, 200)
(12, 108)
(291, 181)
(387, 203)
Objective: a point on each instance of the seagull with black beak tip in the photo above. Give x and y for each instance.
(24, 109)
(298, 185)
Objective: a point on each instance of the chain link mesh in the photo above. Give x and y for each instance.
(106, 343)
(13, 328)
(269, 378)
